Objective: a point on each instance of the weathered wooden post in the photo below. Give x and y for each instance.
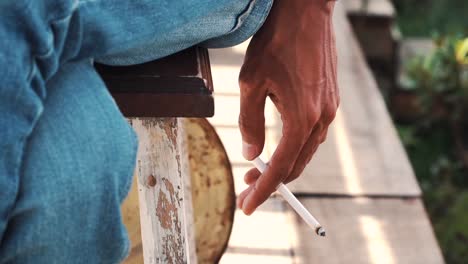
(152, 96)
(160, 183)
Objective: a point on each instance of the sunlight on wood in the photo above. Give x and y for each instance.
(263, 237)
(378, 247)
(227, 108)
(346, 157)
(231, 258)
(269, 234)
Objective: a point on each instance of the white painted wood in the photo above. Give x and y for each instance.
(160, 171)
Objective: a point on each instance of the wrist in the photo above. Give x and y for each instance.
(290, 17)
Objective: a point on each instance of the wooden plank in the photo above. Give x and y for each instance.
(364, 155)
(226, 64)
(362, 230)
(232, 141)
(372, 22)
(262, 238)
(179, 85)
(161, 166)
(227, 109)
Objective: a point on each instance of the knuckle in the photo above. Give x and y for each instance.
(298, 170)
(329, 112)
(244, 124)
(312, 114)
(246, 80)
(246, 89)
(280, 173)
(250, 123)
(297, 128)
(312, 119)
(279, 168)
(243, 82)
(331, 116)
(308, 123)
(322, 138)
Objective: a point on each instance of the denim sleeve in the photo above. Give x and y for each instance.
(247, 25)
(38, 36)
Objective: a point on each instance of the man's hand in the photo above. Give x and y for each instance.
(292, 60)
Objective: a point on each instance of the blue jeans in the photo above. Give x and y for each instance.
(66, 153)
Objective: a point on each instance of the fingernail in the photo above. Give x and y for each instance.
(248, 150)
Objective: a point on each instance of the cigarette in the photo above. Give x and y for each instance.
(293, 201)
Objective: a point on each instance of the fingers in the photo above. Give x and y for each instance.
(279, 168)
(252, 119)
(251, 176)
(242, 195)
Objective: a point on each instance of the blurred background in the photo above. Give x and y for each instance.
(425, 86)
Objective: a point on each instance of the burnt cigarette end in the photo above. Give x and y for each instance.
(320, 231)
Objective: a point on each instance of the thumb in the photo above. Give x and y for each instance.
(252, 121)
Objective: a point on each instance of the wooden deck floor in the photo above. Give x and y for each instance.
(359, 185)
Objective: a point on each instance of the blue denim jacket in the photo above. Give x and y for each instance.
(37, 37)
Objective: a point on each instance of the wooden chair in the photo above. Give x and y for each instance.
(153, 96)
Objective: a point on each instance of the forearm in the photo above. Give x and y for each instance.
(292, 60)
(289, 20)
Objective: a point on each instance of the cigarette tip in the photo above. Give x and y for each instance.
(321, 231)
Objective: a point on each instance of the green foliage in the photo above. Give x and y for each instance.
(440, 84)
(455, 229)
(429, 148)
(443, 181)
(441, 78)
(440, 81)
(423, 18)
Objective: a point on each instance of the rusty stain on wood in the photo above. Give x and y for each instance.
(178, 164)
(213, 193)
(173, 249)
(170, 127)
(151, 181)
(167, 214)
(161, 206)
(170, 189)
(165, 211)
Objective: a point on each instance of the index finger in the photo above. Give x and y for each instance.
(279, 168)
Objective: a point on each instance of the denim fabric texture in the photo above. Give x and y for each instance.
(66, 153)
